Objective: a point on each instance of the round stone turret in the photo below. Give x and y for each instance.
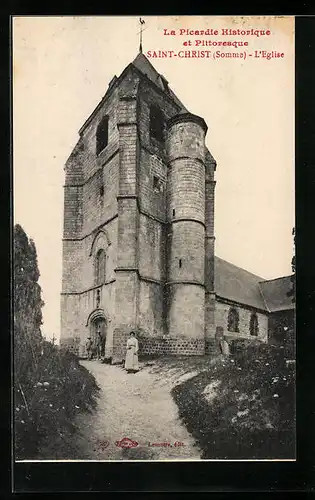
(185, 146)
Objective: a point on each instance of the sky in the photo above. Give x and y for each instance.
(61, 70)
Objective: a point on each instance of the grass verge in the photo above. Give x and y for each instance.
(242, 407)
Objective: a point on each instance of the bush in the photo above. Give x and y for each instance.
(251, 411)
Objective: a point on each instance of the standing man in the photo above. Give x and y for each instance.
(99, 345)
(89, 348)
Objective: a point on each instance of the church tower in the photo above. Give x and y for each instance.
(138, 242)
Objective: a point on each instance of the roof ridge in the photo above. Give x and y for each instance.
(263, 297)
(140, 54)
(278, 278)
(158, 76)
(242, 269)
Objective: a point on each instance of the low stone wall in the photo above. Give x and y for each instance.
(171, 345)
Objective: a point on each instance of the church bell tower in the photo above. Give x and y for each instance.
(138, 245)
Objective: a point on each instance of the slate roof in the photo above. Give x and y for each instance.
(144, 65)
(238, 285)
(241, 286)
(275, 294)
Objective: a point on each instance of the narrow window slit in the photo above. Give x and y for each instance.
(102, 135)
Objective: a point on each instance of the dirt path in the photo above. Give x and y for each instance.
(139, 407)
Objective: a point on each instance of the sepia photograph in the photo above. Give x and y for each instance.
(154, 238)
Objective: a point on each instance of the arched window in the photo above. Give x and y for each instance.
(157, 123)
(100, 261)
(233, 320)
(253, 325)
(102, 135)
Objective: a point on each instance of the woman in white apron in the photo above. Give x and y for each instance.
(131, 361)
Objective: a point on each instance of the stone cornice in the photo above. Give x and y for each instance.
(94, 231)
(185, 158)
(91, 288)
(97, 170)
(184, 282)
(242, 305)
(148, 279)
(187, 117)
(187, 219)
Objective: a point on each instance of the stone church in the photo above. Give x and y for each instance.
(138, 237)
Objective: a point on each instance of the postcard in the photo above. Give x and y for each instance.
(154, 268)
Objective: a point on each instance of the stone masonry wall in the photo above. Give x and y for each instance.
(187, 190)
(186, 258)
(73, 211)
(100, 206)
(171, 346)
(152, 202)
(149, 96)
(126, 306)
(221, 319)
(186, 311)
(79, 259)
(127, 280)
(151, 243)
(91, 162)
(90, 206)
(151, 319)
(75, 327)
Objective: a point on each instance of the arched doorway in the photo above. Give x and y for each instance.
(98, 335)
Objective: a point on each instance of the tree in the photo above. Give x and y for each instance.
(291, 292)
(50, 386)
(27, 304)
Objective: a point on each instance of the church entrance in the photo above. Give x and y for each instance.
(98, 335)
